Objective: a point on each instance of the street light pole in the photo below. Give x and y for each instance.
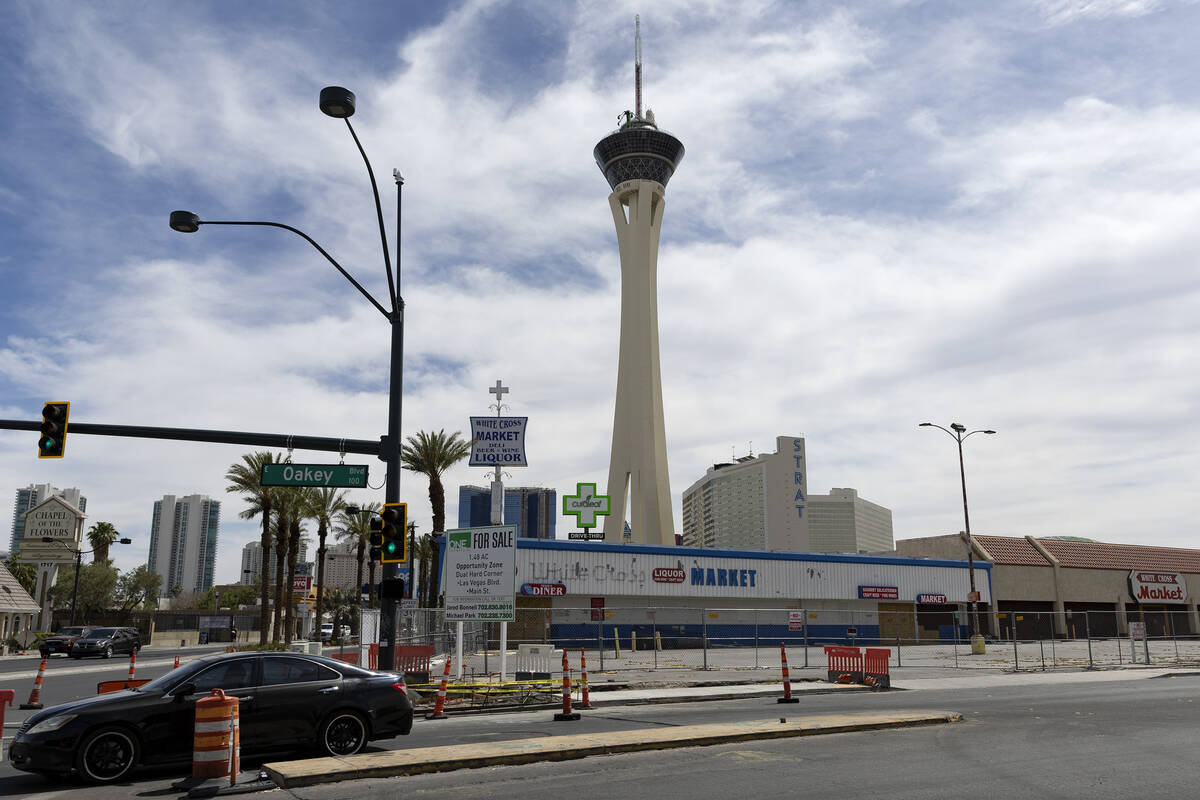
(958, 432)
(339, 103)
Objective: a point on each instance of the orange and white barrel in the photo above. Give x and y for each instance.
(216, 747)
(132, 663)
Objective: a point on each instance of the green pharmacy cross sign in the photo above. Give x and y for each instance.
(342, 476)
(585, 505)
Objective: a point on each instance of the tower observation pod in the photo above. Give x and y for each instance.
(637, 161)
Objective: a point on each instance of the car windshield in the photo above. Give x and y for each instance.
(174, 677)
(71, 632)
(101, 633)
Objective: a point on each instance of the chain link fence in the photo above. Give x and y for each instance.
(680, 638)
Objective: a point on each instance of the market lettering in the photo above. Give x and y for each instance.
(1165, 593)
(716, 576)
(492, 436)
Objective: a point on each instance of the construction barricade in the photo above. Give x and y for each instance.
(845, 664)
(349, 658)
(216, 748)
(536, 661)
(6, 699)
(875, 668)
(413, 661)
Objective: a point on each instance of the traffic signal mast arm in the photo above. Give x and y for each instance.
(365, 447)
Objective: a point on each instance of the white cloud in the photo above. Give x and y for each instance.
(849, 249)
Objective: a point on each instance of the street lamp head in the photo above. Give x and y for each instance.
(48, 540)
(352, 509)
(337, 102)
(989, 431)
(125, 541)
(958, 427)
(184, 222)
(924, 424)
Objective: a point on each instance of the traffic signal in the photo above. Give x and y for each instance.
(392, 589)
(376, 538)
(54, 430)
(395, 527)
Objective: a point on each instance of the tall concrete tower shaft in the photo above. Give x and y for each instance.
(637, 161)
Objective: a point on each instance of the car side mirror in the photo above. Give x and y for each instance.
(184, 690)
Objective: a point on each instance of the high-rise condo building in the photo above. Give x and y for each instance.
(183, 542)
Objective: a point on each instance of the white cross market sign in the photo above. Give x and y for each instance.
(585, 505)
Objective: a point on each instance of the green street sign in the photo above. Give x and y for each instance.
(341, 476)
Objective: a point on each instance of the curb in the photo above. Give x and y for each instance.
(447, 758)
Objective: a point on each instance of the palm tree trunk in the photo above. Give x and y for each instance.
(265, 574)
(322, 530)
(280, 566)
(437, 500)
(289, 589)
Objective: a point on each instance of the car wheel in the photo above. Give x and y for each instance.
(108, 652)
(343, 734)
(106, 755)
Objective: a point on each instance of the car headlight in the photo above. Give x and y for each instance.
(52, 724)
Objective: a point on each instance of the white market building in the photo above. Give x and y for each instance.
(735, 594)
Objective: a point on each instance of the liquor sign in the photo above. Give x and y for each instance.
(481, 573)
(931, 599)
(498, 442)
(668, 574)
(1157, 587)
(879, 593)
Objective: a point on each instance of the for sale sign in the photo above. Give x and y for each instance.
(1157, 587)
(481, 572)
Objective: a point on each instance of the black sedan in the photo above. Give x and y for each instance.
(289, 702)
(104, 642)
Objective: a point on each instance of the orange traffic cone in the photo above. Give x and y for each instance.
(787, 683)
(583, 684)
(441, 695)
(35, 697)
(132, 663)
(176, 661)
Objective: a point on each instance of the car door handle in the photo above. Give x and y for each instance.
(327, 690)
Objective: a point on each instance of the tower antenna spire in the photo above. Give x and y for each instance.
(637, 66)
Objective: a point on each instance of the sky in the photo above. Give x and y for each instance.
(888, 213)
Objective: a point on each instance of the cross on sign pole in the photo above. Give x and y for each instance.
(499, 390)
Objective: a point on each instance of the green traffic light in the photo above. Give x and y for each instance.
(391, 547)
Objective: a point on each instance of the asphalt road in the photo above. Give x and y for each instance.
(1117, 739)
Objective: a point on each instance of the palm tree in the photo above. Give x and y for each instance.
(287, 507)
(356, 529)
(323, 505)
(431, 454)
(246, 478)
(300, 497)
(101, 536)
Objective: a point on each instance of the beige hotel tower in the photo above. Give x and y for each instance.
(637, 160)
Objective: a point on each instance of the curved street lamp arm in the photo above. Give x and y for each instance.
(939, 427)
(978, 431)
(387, 262)
(320, 250)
